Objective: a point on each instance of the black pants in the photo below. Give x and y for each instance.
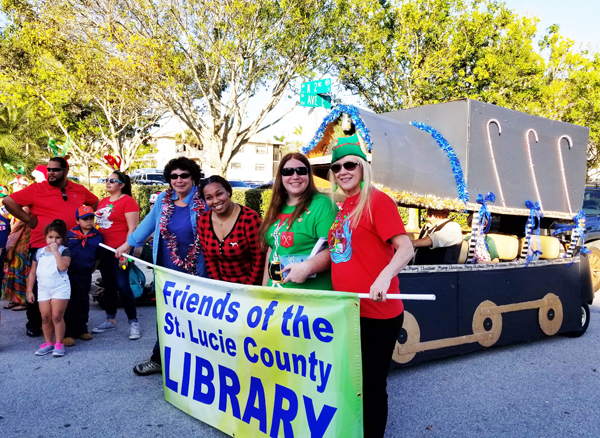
(34, 317)
(78, 309)
(116, 279)
(378, 338)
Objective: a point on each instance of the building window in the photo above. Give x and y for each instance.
(261, 149)
(236, 165)
(259, 167)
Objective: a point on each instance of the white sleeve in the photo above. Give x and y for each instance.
(447, 236)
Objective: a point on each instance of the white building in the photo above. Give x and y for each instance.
(257, 160)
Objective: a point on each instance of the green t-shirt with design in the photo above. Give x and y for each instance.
(301, 237)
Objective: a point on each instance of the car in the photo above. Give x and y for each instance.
(148, 177)
(591, 208)
(237, 184)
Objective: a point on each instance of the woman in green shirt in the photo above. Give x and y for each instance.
(297, 218)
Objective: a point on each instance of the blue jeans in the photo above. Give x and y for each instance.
(116, 279)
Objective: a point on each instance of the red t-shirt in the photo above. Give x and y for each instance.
(46, 203)
(111, 222)
(359, 255)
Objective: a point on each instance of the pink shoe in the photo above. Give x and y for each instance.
(44, 349)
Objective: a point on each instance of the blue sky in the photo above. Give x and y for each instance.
(578, 19)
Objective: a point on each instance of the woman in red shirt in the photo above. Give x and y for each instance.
(117, 217)
(228, 233)
(369, 247)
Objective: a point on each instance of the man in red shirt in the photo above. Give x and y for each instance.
(57, 198)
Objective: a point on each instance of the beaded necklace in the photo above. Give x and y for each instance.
(168, 207)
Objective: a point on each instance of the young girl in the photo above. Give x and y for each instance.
(50, 268)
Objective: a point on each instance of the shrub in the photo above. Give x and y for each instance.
(140, 193)
(256, 199)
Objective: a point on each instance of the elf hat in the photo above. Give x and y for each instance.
(348, 146)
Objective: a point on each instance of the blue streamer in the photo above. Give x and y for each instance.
(463, 193)
(485, 218)
(335, 114)
(532, 228)
(579, 219)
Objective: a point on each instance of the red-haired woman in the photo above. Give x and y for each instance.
(296, 225)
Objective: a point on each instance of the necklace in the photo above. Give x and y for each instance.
(230, 216)
(119, 197)
(168, 206)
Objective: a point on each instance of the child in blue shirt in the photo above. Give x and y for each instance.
(83, 241)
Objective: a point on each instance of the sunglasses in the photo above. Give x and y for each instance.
(64, 194)
(289, 171)
(55, 169)
(348, 165)
(112, 181)
(174, 176)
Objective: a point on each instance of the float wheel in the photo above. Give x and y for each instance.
(551, 315)
(585, 321)
(491, 324)
(410, 334)
(594, 262)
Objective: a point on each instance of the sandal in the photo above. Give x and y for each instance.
(10, 305)
(19, 308)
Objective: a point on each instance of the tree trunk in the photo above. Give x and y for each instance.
(413, 220)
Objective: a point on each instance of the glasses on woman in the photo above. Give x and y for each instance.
(348, 165)
(289, 171)
(112, 181)
(174, 176)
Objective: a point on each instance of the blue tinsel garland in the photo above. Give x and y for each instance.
(463, 193)
(332, 117)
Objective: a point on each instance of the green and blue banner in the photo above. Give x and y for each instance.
(254, 361)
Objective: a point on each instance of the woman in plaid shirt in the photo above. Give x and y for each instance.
(228, 233)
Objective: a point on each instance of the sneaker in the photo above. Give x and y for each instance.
(146, 368)
(44, 349)
(85, 337)
(134, 331)
(59, 350)
(68, 341)
(104, 326)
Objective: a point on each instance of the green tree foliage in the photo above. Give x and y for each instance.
(94, 96)
(420, 52)
(204, 60)
(22, 133)
(571, 88)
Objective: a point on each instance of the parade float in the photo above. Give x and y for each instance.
(518, 171)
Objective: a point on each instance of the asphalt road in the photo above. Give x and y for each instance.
(548, 388)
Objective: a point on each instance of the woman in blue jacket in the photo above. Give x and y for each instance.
(173, 222)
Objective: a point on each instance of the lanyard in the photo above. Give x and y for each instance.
(277, 240)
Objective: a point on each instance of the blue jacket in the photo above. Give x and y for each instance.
(150, 226)
(83, 258)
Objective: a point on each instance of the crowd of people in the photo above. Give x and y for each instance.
(305, 240)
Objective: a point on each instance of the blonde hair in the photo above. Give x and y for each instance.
(365, 192)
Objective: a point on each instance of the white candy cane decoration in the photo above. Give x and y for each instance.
(562, 169)
(474, 233)
(494, 159)
(531, 166)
